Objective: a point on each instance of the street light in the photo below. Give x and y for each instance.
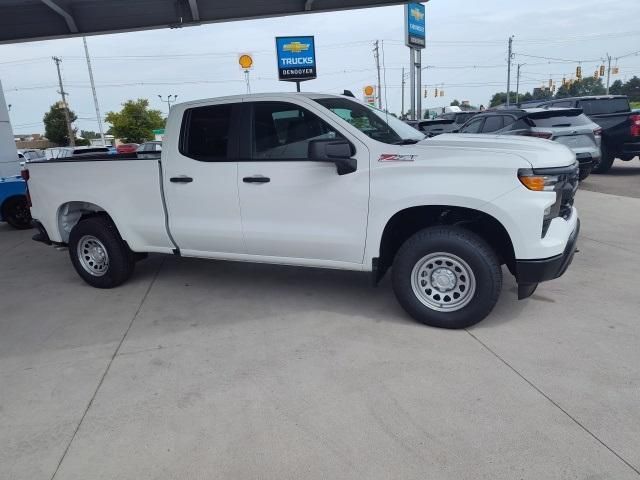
(169, 100)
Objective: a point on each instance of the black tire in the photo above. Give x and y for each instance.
(15, 211)
(120, 260)
(606, 160)
(458, 242)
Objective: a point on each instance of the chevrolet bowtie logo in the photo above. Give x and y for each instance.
(295, 47)
(416, 14)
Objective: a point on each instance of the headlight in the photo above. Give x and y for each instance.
(538, 183)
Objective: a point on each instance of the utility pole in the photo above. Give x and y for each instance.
(93, 89)
(518, 83)
(376, 54)
(509, 68)
(168, 101)
(403, 82)
(67, 117)
(608, 71)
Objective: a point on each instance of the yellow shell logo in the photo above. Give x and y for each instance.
(245, 61)
(368, 90)
(296, 47)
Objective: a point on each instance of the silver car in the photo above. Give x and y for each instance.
(568, 126)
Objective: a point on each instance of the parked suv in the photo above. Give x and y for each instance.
(568, 126)
(620, 126)
(445, 123)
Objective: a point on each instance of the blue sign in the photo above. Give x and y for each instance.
(296, 58)
(415, 25)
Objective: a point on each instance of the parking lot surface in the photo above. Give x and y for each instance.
(203, 369)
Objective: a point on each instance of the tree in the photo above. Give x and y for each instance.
(455, 103)
(501, 98)
(55, 124)
(632, 89)
(135, 122)
(89, 134)
(617, 88)
(583, 87)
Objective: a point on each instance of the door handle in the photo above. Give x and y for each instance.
(256, 179)
(181, 179)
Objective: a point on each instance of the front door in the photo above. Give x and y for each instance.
(200, 180)
(293, 207)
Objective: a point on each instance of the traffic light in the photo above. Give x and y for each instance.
(564, 81)
(595, 74)
(436, 92)
(578, 72)
(602, 70)
(425, 93)
(615, 70)
(442, 93)
(550, 83)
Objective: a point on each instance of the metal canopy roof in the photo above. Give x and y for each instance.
(26, 20)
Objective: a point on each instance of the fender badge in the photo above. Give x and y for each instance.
(392, 157)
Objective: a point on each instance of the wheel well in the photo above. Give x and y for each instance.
(409, 221)
(70, 213)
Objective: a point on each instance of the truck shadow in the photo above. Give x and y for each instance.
(248, 291)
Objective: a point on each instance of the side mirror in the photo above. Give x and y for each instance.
(337, 151)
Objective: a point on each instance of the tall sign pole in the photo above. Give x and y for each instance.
(418, 84)
(509, 69)
(415, 38)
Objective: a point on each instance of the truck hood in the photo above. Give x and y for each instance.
(538, 152)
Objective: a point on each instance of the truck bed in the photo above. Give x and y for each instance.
(129, 188)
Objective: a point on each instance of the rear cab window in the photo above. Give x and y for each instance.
(598, 106)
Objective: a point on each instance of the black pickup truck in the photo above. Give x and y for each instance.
(620, 126)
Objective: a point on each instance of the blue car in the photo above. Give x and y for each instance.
(14, 207)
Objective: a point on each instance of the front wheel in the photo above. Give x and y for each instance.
(447, 277)
(15, 211)
(99, 254)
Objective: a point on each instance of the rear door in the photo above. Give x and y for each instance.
(293, 207)
(200, 179)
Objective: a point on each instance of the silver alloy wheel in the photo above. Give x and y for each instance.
(93, 256)
(443, 282)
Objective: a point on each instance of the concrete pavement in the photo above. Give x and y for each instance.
(201, 369)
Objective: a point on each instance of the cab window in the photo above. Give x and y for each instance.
(206, 133)
(282, 131)
(473, 126)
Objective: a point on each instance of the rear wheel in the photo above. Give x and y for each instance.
(606, 160)
(447, 277)
(15, 211)
(99, 254)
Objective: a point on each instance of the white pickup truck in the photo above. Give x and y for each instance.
(322, 181)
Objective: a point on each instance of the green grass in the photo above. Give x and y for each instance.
(635, 105)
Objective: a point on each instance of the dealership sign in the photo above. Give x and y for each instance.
(296, 58)
(415, 25)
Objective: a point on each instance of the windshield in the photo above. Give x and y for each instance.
(374, 123)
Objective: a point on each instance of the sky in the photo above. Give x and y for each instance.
(465, 55)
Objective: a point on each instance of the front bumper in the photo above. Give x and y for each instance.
(531, 272)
